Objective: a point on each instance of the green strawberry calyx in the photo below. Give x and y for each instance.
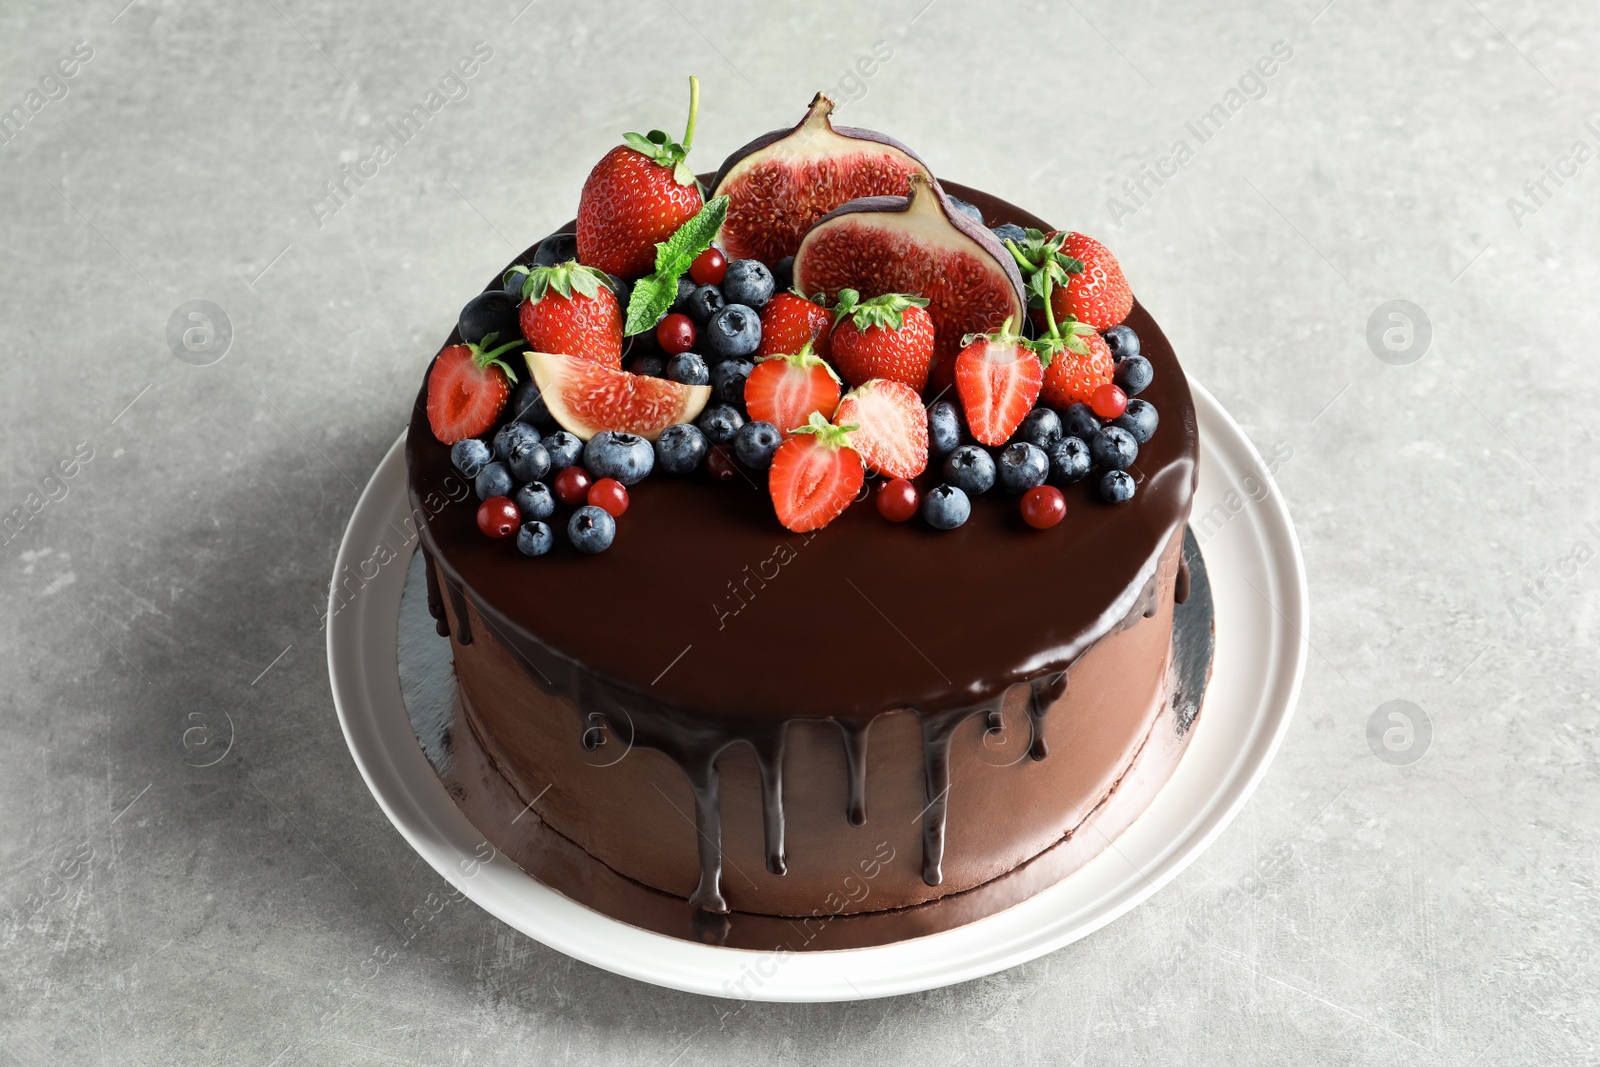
(1046, 268)
(826, 433)
(1005, 337)
(887, 311)
(565, 279)
(484, 357)
(660, 149)
(804, 359)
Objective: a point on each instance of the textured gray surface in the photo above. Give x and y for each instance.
(191, 869)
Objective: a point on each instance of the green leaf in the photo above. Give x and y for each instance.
(652, 296)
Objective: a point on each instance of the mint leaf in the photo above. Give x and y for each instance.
(650, 300)
(654, 294)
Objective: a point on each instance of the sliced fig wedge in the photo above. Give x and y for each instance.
(920, 244)
(782, 182)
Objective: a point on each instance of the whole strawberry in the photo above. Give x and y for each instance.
(998, 377)
(815, 475)
(889, 336)
(637, 195)
(468, 386)
(1097, 293)
(790, 320)
(570, 309)
(1077, 368)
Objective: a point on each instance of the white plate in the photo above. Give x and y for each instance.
(1258, 583)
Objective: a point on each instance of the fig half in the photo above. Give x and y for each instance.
(782, 182)
(918, 243)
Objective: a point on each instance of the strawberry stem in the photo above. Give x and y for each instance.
(694, 113)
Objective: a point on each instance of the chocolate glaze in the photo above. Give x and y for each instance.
(643, 636)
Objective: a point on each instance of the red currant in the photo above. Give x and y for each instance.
(720, 463)
(675, 333)
(709, 267)
(498, 517)
(1109, 402)
(898, 500)
(572, 486)
(1043, 506)
(609, 495)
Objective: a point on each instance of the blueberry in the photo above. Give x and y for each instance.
(528, 406)
(564, 449)
(686, 288)
(512, 435)
(1116, 487)
(513, 280)
(493, 480)
(491, 312)
(783, 275)
(681, 448)
(469, 455)
(591, 529)
(1134, 374)
(1009, 231)
(1113, 448)
(627, 457)
(688, 368)
(534, 500)
(946, 507)
(719, 422)
(650, 365)
(535, 538)
(703, 303)
(1069, 461)
(944, 428)
(623, 291)
(728, 378)
(1022, 466)
(970, 210)
(1140, 420)
(1042, 427)
(755, 444)
(1122, 341)
(557, 248)
(748, 282)
(1079, 421)
(732, 332)
(529, 462)
(970, 469)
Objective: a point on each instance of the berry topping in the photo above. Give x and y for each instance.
(720, 423)
(897, 500)
(535, 538)
(586, 398)
(572, 486)
(783, 274)
(1042, 427)
(720, 463)
(1022, 467)
(609, 495)
(1116, 487)
(709, 267)
(468, 387)
(676, 333)
(785, 390)
(564, 449)
(944, 427)
(469, 456)
(1134, 374)
(728, 380)
(1097, 294)
(681, 448)
(1108, 402)
(534, 501)
(497, 517)
(970, 469)
(1069, 461)
(1009, 231)
(1043, 506)
(1072, 376)
(648, 365)
(571, 309)
(490, 312)
(790, 321)
(689, 369)
(1122, 341)
(733, 332)
(703, 303)
(998, 377)
(529, 462)
(748, 282)
(1078, 421)
(626, 457)
(557, 248)
(756, 443)
(529, 407)
(815, 475)
(1139, 420)
(513, 435)
(637, 195)
(1113, 448)
(889, 336)
(946, 507)
(891, 427)
(591, 529)
(493, 480)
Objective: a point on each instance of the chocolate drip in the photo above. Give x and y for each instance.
(706, 785)
(1042, 693)
(855, 760)
(937, 730)
(769, 759)
(441, 622)
(994, 721)
(458, 605)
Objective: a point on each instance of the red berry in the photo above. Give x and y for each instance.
(1109, 402)
(709, 267)
(572, 486)
(675, 333)
(720, 463)
(1043, 506)
(498, 517)
(898, 500)
(609, 495)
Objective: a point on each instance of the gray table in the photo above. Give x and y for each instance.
(191, 869)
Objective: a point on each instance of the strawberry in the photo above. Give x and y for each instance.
(790, 320)
(1081, 365)
(1084, 279)
(815, 475)
(889, 336)
(468, 387)
(891, 426)
(637, 195)
(785, 390)
(571, 310)
(998, 377)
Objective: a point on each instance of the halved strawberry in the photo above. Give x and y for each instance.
(467, 389)
(815, 475)
(1080, 364)
(790, 320)
(998, 377)
(569, 308)
(785, 390)
(889, 336)
(891, 426)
